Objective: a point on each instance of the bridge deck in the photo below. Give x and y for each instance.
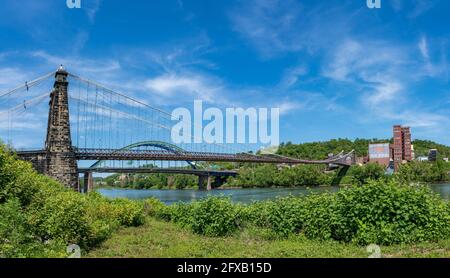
(105, 154)
(164, 155)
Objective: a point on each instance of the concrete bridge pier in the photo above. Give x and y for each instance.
(202, 180)
(88, 182)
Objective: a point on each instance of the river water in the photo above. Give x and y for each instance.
(237, 195)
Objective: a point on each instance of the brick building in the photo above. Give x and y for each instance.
(402, 149)
(380, 153)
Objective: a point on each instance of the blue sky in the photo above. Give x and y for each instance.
(334, 67)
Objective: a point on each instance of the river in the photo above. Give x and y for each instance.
(237, 195)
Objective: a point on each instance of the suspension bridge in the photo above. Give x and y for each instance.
(94, 129)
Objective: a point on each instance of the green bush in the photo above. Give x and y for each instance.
(84, 220)
(389, 212)
(284, 216)
(129, 213)
(153, 207)
(320, 216)
(381, 212)
(213, 216)
(16, 237)
(181, 213)
(62, 217)
(17, 178)
(362, 174)
(40, 217)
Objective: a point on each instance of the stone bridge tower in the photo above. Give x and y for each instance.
(61, 162)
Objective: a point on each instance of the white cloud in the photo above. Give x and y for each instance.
(423, 47)
(80, 64)
(293, 75)
(289, 106)
(384, 92)
(421, 7)
(11, 77)
(195, 85)
(92, 7)
(418, 118)
(383, 73)
(285, 26)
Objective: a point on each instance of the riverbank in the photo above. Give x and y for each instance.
(159, 239)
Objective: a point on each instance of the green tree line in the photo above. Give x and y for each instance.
(320, 150)
(150, 181)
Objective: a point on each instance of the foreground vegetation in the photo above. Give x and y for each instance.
(405, 221)
(379, 212)
(40, 218)
(160, 239)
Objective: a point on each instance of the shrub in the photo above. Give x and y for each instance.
(381, 212)
(153, 207)
(84, 220)
(17, 239)
(17, 179)
(129, 213)
(14, 233)
(48, 217)
(284, 216)
(61, 217)
(214, 216)
(102, 219)
(389, 212)
(320, 216)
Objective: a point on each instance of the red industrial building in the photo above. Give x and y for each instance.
(402, 147)
(407, 145)
(398, 146)
(399, 152)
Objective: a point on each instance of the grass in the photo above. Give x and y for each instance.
(158, 239)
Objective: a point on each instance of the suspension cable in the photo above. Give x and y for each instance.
(161, 113)
(28, 84)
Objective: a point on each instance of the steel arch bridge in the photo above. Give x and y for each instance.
(158, 144)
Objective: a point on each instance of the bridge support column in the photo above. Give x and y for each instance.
(209, 183)
(88, 182)
(201, 182)
(61, 162)
(205, 182)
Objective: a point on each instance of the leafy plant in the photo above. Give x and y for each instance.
(381, 212)
(40, 217)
